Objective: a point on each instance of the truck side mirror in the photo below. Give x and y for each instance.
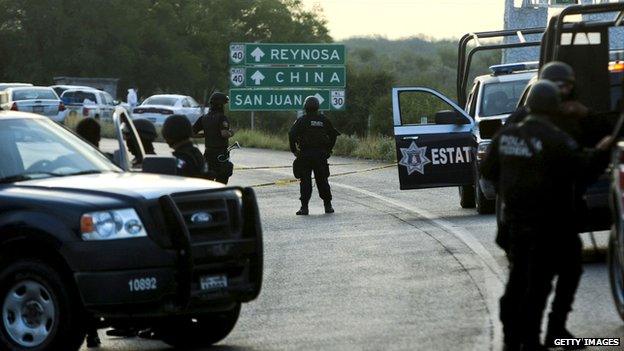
(449, 117)
(160, 165)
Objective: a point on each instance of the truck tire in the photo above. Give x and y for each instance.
(200, 331)
(616, 273)
(467, 196)
(484, 206)
(38, 311)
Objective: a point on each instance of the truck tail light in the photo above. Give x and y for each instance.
(61, 107)
(14, 107)
(85, 111)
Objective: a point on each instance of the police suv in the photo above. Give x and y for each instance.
(85, 240)
(439, 142)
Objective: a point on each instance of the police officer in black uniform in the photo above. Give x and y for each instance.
(536, 166)
(177, 132)
(573, 118)
(312, 139)
(90, 130)
(216, 130)
(147, 133)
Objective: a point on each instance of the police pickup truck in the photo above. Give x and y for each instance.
(439, 143)
(85, 240)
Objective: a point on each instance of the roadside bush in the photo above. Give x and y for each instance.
(346, 145)
(257, 139)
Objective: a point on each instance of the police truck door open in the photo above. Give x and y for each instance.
(433, 139)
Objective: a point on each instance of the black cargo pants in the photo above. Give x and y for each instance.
(533, 264)
(217, 168)
(317, 164)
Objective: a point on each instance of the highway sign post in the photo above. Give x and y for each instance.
(278, 77)
(282, 77)
(284, 99)
(287, 54)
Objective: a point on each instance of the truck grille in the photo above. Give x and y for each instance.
(211, 216)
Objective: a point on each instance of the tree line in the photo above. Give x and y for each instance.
(181, 46)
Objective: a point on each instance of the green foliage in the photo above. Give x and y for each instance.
(374, 148)
(262, 140)
(157, 45)
(182, 47)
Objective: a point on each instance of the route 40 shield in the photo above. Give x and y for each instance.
(237, 77)
(237, 53)
(338, 99)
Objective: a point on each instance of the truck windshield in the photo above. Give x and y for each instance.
(501, 98)
(33, 148)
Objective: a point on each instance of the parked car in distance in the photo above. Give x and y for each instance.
(89, 102)
(39, 100)
(157, 108)
(60, 89)
(5, 86)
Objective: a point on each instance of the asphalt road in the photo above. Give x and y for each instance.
(390, 270)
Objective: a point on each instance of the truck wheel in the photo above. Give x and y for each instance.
(200, 331)
(467, 196)
(616, 274)
(484, 206)
(38, 312)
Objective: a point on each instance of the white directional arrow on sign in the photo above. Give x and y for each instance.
(320, 98)
(258, 77)
(257, 54)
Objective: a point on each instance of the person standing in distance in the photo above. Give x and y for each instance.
(177, 132)
(312, 139)
(535, 167)
(216, 130)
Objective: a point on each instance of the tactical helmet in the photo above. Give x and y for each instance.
(544, 97)
(557, 71)
(311, 104)
(90, 130)
(177, 128)
(146, 129)
(218, 99)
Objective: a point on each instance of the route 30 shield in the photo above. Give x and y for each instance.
(338, 99)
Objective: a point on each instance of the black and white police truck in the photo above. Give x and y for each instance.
(85, 240)
(440, 142)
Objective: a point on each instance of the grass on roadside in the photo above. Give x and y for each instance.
(374, 148)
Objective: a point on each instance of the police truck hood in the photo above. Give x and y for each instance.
(148, 186)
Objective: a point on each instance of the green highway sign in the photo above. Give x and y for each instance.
(284, 99)
(278, 77)
(287, 54)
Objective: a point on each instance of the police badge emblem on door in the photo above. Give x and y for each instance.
(434, 143)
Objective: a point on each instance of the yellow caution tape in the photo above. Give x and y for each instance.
(288, 181)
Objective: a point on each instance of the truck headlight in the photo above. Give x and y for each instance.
(111, 225)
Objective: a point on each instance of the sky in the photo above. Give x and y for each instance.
(405, 18)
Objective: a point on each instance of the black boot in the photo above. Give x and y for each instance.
(512, 347)
(303, 211)
(93, 340)
(328, 207)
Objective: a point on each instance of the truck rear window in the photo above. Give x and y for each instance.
(78, 97)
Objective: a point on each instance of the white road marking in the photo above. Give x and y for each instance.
(492, 287)
(493, 274)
